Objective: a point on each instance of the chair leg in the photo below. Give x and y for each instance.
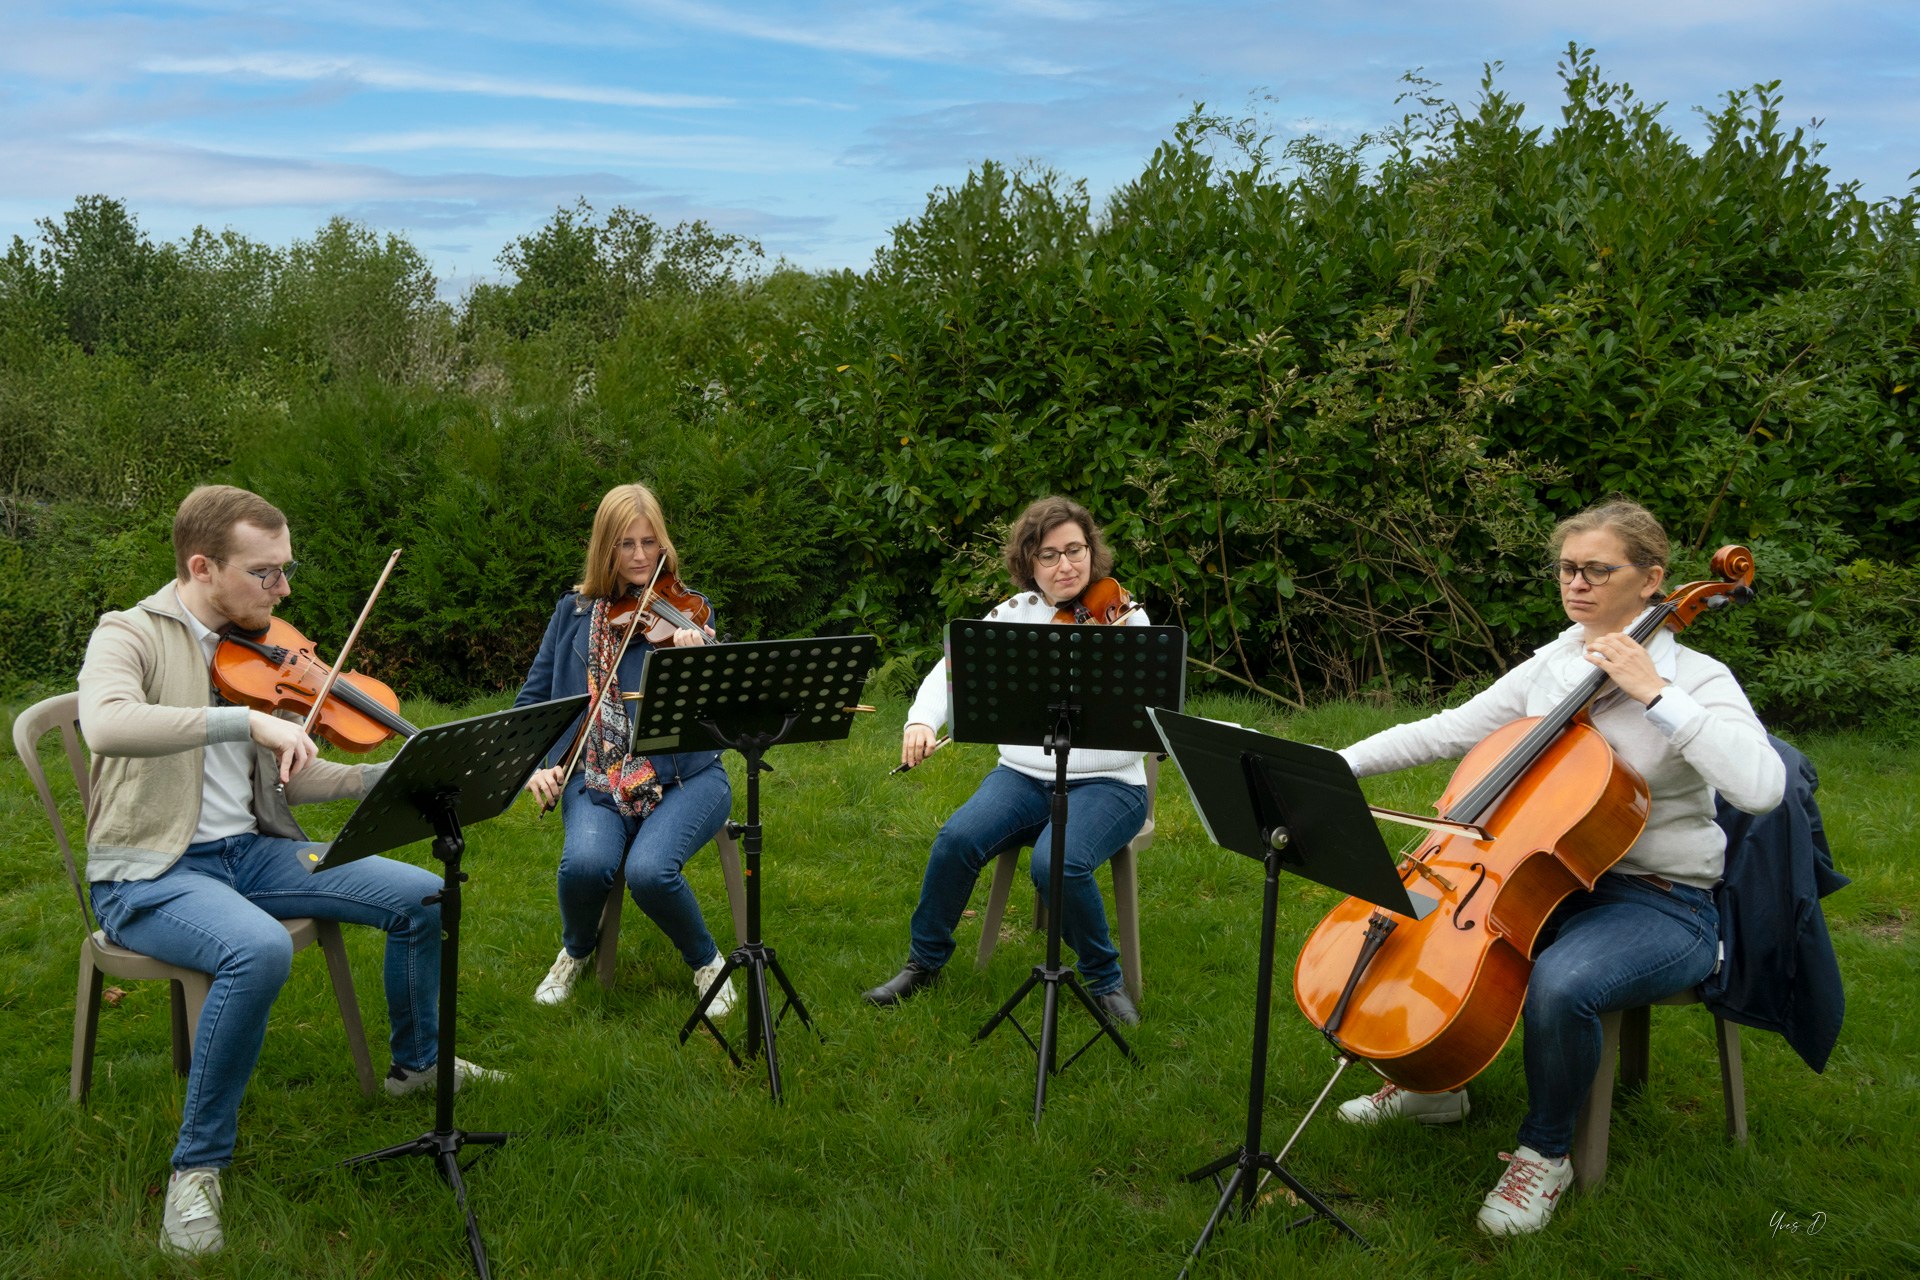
(191, 994)
(334, 947)
(1733, 1080)
(185, 1027)
(1003, 868)
(1636, 1034)
(86, 1027)
(736, 884)
(1591, 1131)
(1126, 919)
(607, 950)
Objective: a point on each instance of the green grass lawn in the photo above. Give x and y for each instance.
(904, 1148)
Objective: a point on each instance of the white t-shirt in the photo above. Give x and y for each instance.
(226, 786)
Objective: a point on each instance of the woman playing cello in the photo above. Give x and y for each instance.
(1648, 928)
(1060, 564)
(651, 813)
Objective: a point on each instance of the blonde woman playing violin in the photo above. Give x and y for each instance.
(644, 814)
(1057, 558)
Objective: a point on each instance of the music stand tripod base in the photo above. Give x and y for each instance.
(1060, 686)
(750, 697)
(445, 776)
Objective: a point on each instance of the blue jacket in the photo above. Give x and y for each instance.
(1779, 972)
(560, 670)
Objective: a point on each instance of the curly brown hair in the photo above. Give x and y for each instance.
(1032, 528)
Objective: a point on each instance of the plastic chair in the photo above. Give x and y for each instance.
(607, 952)
(100, 958)
(1126, 895)
(1626, 1039)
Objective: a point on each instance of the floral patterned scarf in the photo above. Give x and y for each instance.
(626, 779)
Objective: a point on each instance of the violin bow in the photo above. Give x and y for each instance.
(580, 743)
(903, 768)
(340, 660)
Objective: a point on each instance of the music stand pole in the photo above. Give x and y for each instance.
(1249, 1158)
(1294, 807)
(444, 777)
(1058, 686)
(443, 1143)
(1053, 972)
(753, 955)
(748, 697)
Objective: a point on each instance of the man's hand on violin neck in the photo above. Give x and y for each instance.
(291, 747)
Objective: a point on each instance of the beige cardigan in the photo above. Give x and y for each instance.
(146, 713)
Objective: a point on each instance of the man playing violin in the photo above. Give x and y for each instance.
(1648, 928)
(1057, 559)
(644, 814)
(192, 849)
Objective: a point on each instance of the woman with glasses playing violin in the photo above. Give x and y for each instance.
(646, 814)
(1060, 564)
(1648, 928)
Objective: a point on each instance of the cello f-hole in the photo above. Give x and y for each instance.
(1465, 926)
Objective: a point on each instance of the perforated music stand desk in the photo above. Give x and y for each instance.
(749, 697)
(1283, 804)
(1060, 686)
(444, 778)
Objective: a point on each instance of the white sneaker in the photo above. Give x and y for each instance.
(1527, 1195)
(1392, 1102)
(703, 977)
(558, 984)
(401, 1081)
(190, 1224)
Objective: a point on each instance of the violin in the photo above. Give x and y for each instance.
(671, 606)
(1102, 604)
(1430, 1002)
(275, 669)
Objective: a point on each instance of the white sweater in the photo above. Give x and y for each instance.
(933, 705)
(1700, 738)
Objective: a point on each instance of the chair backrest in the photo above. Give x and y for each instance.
(60, 712)
(1153, 785)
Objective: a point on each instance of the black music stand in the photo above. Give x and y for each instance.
(1285, 804)
(443, 779)
(749, 697)
(1060, 686)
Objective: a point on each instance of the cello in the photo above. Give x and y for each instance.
(1547, 808)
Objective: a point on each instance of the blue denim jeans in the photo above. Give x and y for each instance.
(689, 814)
(1009, 810)
(1625, 944)
(218, 910)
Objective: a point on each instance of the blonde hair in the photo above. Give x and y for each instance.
(204, 524)
(1031, 529)
(623, 505)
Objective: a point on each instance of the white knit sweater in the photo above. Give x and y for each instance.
(934, 704)
(1701, 737)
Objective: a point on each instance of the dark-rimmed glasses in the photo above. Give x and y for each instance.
(269, 578)
(1595, 574)
(1050, 556)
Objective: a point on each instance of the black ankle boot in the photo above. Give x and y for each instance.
(902, 985)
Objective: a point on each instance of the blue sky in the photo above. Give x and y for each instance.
(813, 127)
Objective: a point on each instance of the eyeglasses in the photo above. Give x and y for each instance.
(1595, 574)
(269, 578)
(1075, 552)
(627, 546)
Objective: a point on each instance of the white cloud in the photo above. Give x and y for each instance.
(691, 151)
(375, 75)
